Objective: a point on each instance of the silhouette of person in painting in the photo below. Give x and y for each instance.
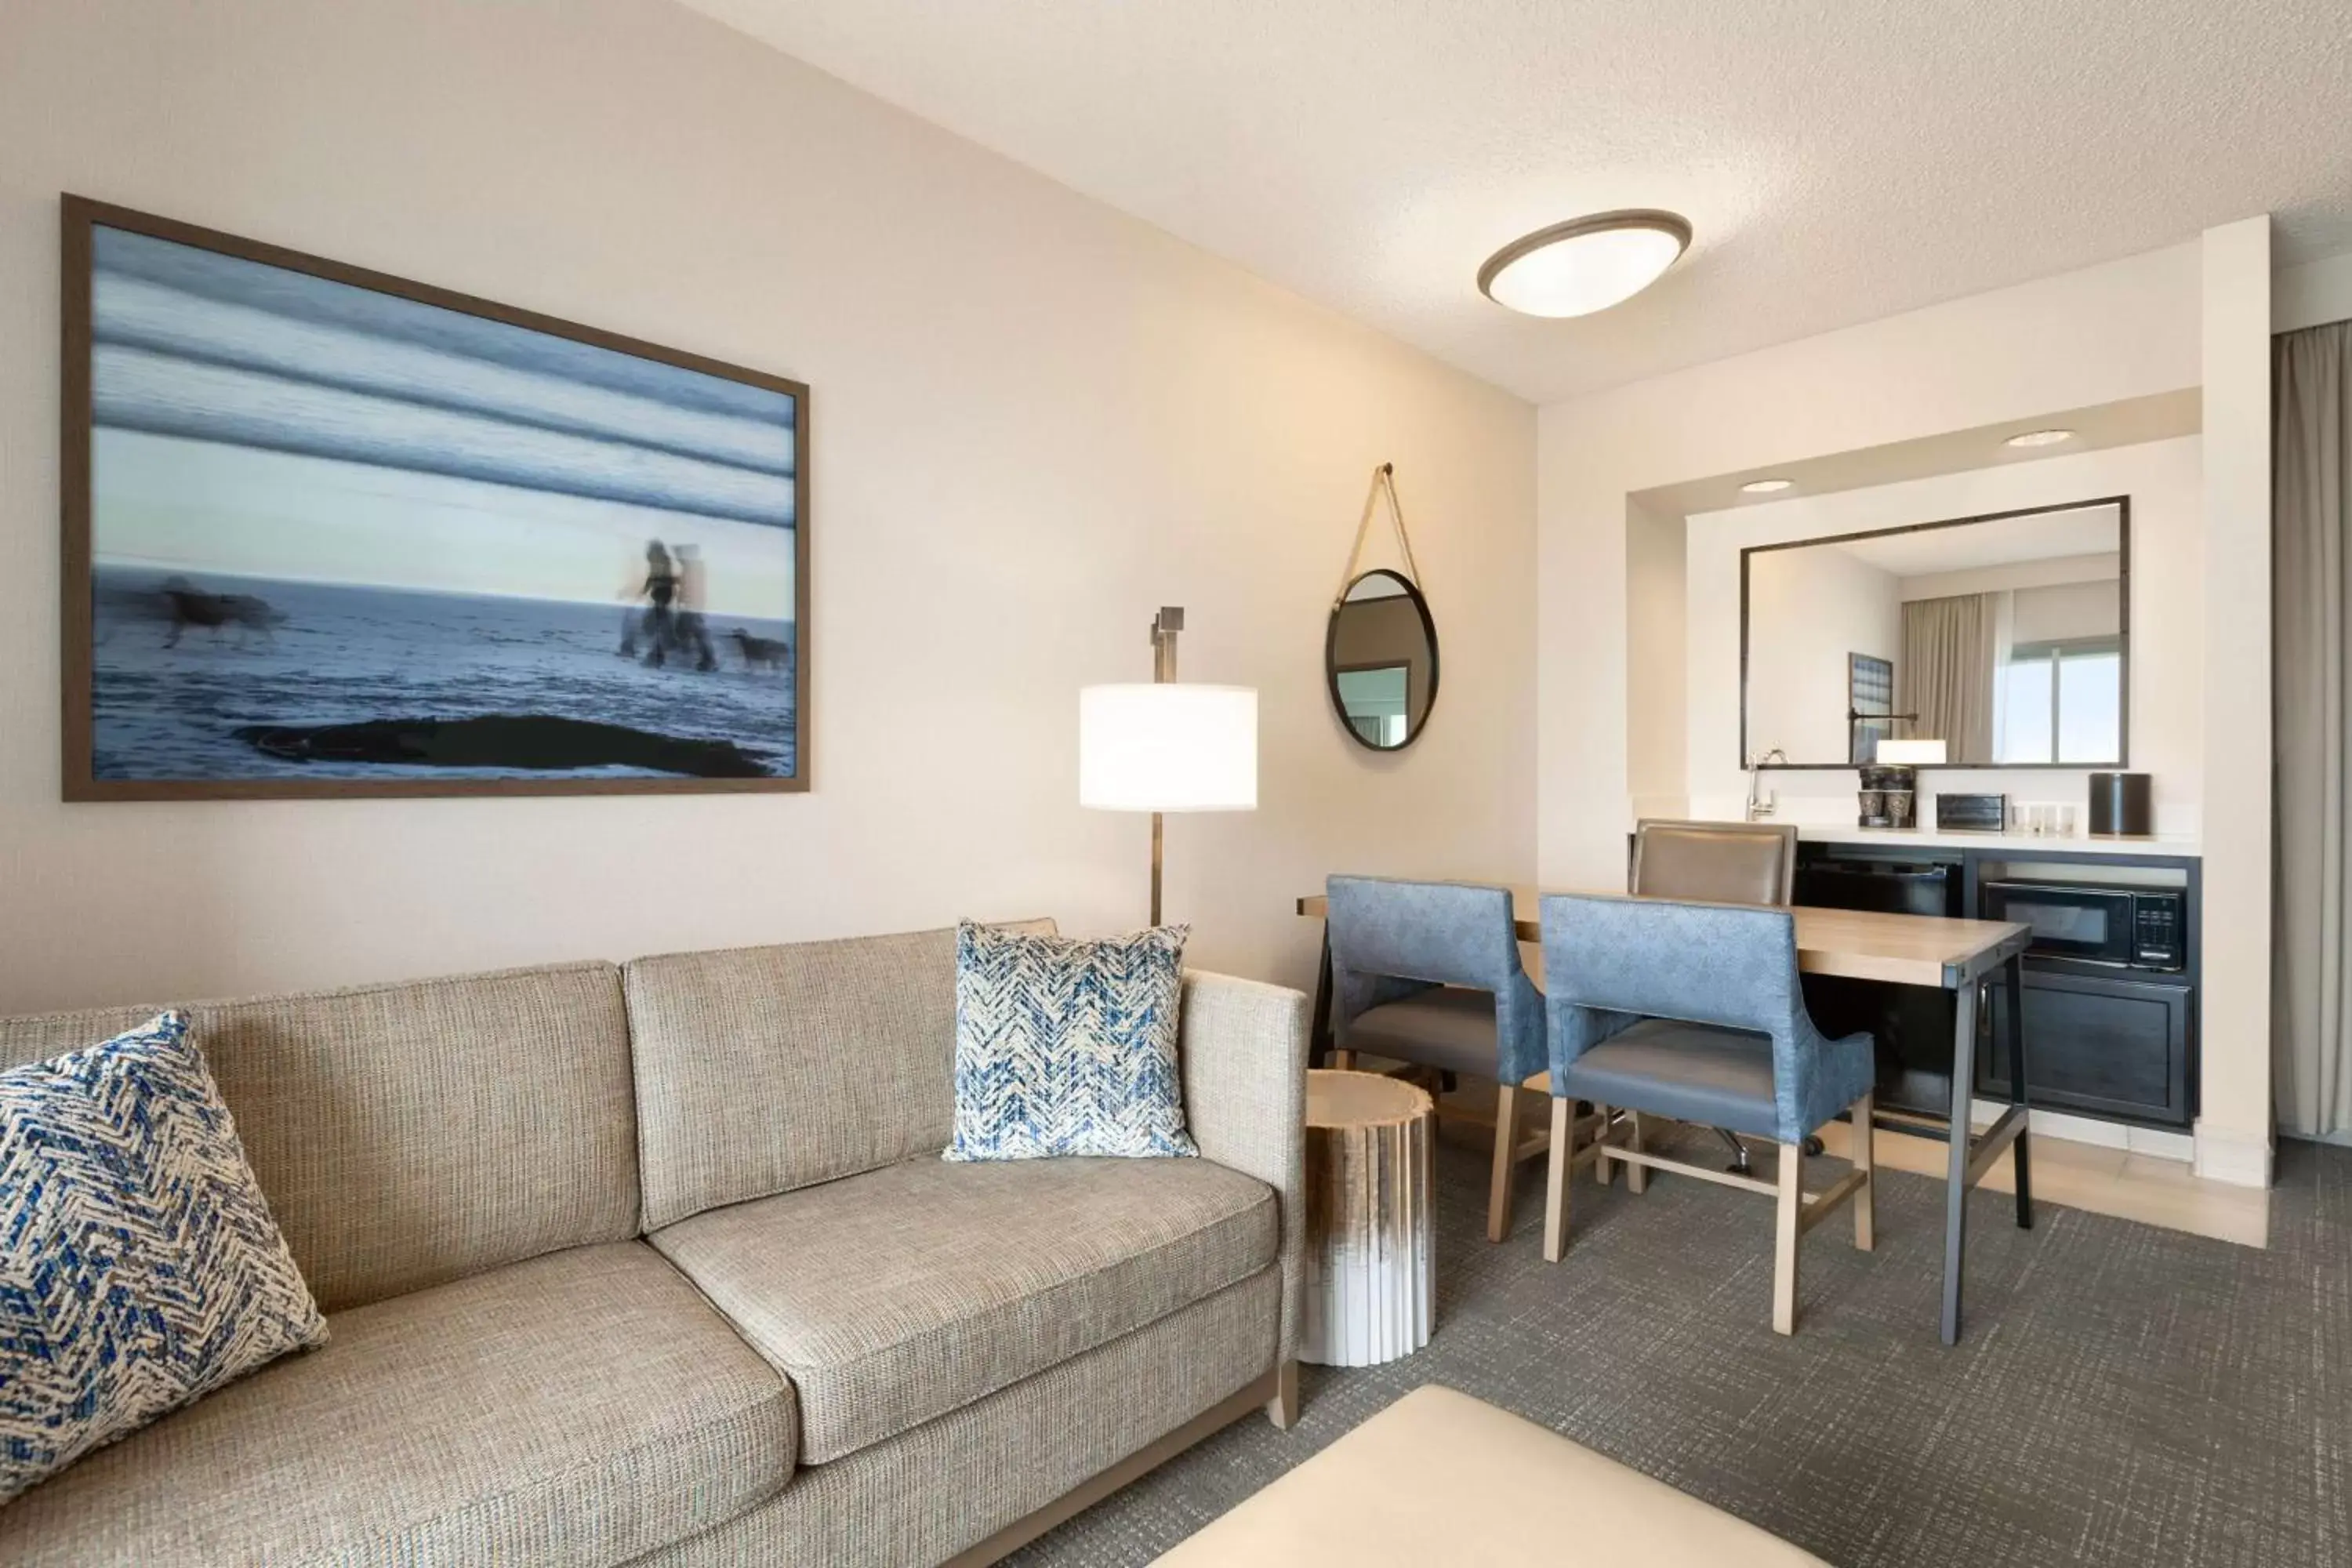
(657, 623)
(185, 604)
(693, 635)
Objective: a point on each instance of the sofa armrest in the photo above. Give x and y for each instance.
(1243, 1051)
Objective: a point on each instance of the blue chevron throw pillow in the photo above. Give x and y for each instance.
(1068, 1047)
(139, 1267)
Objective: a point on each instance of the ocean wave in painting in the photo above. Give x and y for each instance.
(178, 699)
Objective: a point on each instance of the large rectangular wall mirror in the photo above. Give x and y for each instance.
(2007, 636)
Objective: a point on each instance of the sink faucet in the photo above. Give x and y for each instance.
(1761, 801)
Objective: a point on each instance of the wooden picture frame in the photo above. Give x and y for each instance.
(721, 449)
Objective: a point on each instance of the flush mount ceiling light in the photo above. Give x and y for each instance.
(1586, 264)
(1765, 486)
(2040, 439)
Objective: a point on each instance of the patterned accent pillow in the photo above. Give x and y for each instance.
(1067, 1047)
(139, 1267)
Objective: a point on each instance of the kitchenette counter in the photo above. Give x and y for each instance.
(2011, 843)
(2110, 982)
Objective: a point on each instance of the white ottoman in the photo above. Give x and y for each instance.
(1440, 1478)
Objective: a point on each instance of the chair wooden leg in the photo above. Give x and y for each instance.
(1506, 1148)
(1343, 1061)
(1861, 1153)
(1600, 1138)
(1791, 1196)
(1555, 1180)
(1637, 1177)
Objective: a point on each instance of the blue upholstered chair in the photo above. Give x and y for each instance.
(1429, 973)
(1693, 1011)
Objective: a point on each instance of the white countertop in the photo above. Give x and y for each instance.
(1930, 839)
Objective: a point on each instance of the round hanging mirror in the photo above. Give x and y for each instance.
(1380, 659)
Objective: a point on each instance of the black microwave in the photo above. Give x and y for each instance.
(2139, 928)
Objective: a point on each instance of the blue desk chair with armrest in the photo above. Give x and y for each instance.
(1693, 1011)
(1429, 973)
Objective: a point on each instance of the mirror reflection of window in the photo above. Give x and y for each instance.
(2063, 702)
(1374, 698)
(2090, 704)
(2028, 704)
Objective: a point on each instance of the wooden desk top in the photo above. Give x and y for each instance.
(1862, 944)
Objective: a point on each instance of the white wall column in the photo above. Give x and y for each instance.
(2233, 1131)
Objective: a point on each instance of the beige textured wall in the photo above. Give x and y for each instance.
(2312, 293)
(1657, 659)
(1035, 421)
(2123, 330)
(2190, 315)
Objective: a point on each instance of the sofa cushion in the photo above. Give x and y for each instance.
(1068, 1046)
(948, 1485)
(764, 1068)
(140, 1268)
(582, 1408)
(898, 1295)
(409, 1135)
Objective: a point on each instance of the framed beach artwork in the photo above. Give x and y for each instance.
(329, 532)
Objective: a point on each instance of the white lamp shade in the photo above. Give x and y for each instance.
(1910, 753)
(1171, 747)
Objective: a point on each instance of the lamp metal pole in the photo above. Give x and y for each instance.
(1164, 628)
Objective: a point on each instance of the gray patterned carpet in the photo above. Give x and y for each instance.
(2121, 1394)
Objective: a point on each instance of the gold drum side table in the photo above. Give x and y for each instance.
(1371, 1280)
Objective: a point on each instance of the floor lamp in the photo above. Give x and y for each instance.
(1167, 746)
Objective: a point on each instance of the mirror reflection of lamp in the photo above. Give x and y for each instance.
(1855, 718)
(1761, 801)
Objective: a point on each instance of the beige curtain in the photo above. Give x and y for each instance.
(2311, 513)
(1946, 671)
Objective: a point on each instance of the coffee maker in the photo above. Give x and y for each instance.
(1890, 787)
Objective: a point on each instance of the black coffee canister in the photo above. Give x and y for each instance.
(2121, 804)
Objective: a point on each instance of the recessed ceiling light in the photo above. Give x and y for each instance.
(1765, 486)
(2040, 439)
(1586, 264)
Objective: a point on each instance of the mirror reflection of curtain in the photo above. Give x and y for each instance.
(2311, 1025)
(1949, 650)
(2004, 639)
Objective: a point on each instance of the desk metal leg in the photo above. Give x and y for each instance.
(2013, 980)
(1956, 1190)
(1319, 1034)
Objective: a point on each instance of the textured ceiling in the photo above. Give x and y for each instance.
(1841, 160)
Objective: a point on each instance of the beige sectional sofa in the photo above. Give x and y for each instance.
(659, 1264)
